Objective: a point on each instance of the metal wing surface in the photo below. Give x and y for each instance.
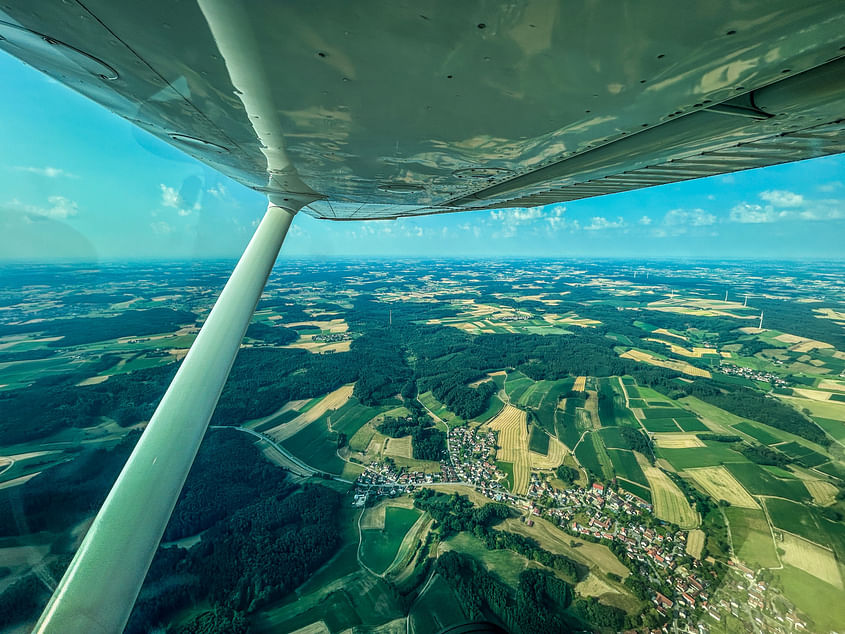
(402, 108)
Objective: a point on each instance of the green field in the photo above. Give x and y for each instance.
(437, 609)
(660, 425)
(493, 408)
(757, 432)
(316, 446)
(712, 454)
(691, 424)
(353, 415)
(836, 428)
(505, 563)
(439, 409)
(612, 438)
(275, 421)
(758, 481)
(636, 489)
(535, 394)
(626, 466)
(586, 454)
(507, 469)
(752, 539)
(820, 600)
(379, 547)
(664, 412)
(516, 384)
(802, 455)
(538, 440)
(795, 518)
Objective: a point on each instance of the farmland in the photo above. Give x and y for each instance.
(721, 485)
(670, 504)
(513, 443)
(751, 537)
(380, 545)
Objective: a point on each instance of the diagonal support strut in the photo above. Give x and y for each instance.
(102, 582)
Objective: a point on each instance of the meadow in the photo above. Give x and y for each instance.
(379, 547)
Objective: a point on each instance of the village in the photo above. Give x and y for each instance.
(754, 375)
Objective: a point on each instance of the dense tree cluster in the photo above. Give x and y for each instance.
(567, 474)
(720, 437)
(59, 497)
(455, 513)
(274, 334)
(536, 606)
(636, 440)
(765, 456)
(80, 330)
(751, 404)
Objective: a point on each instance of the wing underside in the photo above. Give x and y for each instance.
(382, 110)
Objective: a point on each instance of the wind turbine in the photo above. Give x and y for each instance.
(745, 303)
(761, 321)
(726, 295)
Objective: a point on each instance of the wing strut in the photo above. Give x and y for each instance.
(102, 582)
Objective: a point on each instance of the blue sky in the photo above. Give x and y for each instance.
(79, 182)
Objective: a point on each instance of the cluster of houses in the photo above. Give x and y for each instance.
(472, 454)
(754, 375)
(750, 599)
(332, 337)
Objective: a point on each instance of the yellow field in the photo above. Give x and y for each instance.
(663, 331)
(580, 384)
(824, 493)
(679, 366)
(695, 542)
(810, 558)
(825, 409)
(815, 395)
(557, 451)
(721, 485)
(830, 384)
(399, 447)
(334, 400)
(677, 441)
(676, 349)
(669, 502)
(513, 440)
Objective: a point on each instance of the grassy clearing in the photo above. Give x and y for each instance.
(824, 493)
(721, 485)
(505, 563)
(399, 447)
(516, 384)
(636, 489)
(492, 410)
(507, 469)
(660, 425)
(587, 457)
(751, 537)
(316, 445)
(553, 459)
(379, 547)
(439, 409)
(836, 428)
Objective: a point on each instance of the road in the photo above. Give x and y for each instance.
(295, 465)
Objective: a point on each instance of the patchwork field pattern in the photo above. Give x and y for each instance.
(552, 459)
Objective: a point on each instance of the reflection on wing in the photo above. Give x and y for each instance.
(404, 108)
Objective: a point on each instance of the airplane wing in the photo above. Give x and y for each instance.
(389, 109)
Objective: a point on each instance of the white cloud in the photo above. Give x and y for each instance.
(58, 208)
(161, 228)
(645, 220)
(830, 187)
(218, 191)
(688, 218)
(599, 223)
(748, 213)
(782, 198)
(169, 196)
(49, 172)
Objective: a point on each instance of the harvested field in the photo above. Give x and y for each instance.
(552, 460)
(695, 542)
(679, 366)
(669, 501)
(513, 442)
(580, 384)
(824, 493)
(721, 485)
(677, 441)
(334, 400)
(399, 447)
(810, 558)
